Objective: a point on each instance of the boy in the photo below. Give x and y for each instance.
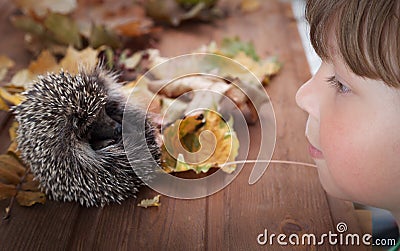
(353, 101)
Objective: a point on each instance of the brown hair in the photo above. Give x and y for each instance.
(367, 33)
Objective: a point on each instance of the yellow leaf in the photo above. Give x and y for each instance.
(5, 64)
(43, 64)
(221, 141)
(15, 99)
(13, 131)
(12, 149)
(74, 60)
(3, 105)
(249, 5)
(28, 198)
(155, 202)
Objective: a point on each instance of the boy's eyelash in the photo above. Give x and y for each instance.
(340, 88)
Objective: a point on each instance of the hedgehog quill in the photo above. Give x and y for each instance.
(70, 134)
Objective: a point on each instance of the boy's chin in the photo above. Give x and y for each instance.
(328, 183)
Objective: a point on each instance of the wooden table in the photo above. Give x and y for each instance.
(287, 199)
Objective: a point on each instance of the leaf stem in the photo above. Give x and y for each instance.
(18, 187)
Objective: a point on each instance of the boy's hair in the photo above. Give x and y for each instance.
(367, 33)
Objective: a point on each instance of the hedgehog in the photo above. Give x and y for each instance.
(70, 135)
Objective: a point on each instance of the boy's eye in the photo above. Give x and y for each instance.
(340, 88)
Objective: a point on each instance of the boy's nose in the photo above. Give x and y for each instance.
(306, 99)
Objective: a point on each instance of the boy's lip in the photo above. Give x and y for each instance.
(314, 152)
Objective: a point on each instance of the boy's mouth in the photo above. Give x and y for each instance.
(314, 152)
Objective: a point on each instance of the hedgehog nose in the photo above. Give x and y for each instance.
(118, 131)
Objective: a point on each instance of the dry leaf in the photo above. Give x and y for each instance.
(132, 61)
(28, 198)
(250, 5)
(3, 105)
(5, 64)
(15, 182)
(64, 29)
(155, 202)
(74, 59)
(134, 28)
(7, 191)
(13, 131)
(176, 11)
(188, 133)
(101, 36)
(14, 99)
(45, 62)
(23, 78)
(41, 8)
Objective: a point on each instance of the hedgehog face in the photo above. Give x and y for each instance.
(104, 130)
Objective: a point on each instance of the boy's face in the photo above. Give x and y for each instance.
(354, 130)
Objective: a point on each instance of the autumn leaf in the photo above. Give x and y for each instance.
(64, 29)
(45, 62)
(41, 8)
(155, 202)
(29, 198)
(74, 59)
(188, 135)
(14, 99)
(101, 36)
(249, 5)
(230, 47)
(23, 78)
(14, 181)
(5, 64)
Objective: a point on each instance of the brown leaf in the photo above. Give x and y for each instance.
(134, 28)
(32, 185)
(45, 62)
(8, 176)
(11, 164)
(249, 5)
(74, 59)
(6, 62)
(28, 198)
(7, 191)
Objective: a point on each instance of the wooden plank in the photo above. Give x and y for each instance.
(40, 227)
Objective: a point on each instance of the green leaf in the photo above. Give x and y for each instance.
(230, 47)
(64, 29)
(27, 24)
(102, 36)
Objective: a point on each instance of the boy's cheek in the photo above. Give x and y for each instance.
(344, 159)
